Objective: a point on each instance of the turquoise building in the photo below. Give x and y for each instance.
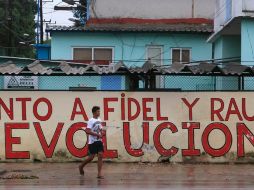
(134, 41)
(233, 36)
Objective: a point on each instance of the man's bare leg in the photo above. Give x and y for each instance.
(100, 156)
(83, 164)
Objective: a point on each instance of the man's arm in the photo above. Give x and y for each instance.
(89, 132)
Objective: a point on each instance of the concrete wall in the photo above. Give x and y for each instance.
(152, 8)
(50, 126)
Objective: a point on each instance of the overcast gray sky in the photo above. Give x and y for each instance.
(61, 17)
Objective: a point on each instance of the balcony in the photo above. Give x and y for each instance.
(227, 10)
(248, 6)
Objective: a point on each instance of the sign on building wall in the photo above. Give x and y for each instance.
(140, 126)
(20, 82)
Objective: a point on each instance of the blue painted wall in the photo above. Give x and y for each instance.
(111, 82)
(247, 52)
(232, 46)
(227, 46)
(43, 51)
(130, 46)
(218, 48)
(247, 42)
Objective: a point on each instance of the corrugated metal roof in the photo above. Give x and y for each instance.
(199, 69)
(10, 68)
(237, 69)
(205, 28)
(36, 67)
(141, 25)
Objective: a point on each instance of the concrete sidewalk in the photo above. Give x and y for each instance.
(126, 176)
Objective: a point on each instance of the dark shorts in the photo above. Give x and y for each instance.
(95, 148)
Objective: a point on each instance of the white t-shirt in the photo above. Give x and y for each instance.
(96, 127)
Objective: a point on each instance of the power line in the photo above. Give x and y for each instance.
(49, 12)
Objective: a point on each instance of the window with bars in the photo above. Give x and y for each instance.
(181, 55)
(99, 55)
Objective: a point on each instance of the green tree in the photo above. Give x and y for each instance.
(80, 14)
(15, 21)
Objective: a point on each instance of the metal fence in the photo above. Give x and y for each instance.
(121, 82)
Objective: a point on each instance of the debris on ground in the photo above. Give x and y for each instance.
(19, 176)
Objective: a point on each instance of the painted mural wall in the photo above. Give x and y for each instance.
(139, 126)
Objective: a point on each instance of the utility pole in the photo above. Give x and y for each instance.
(41, 22)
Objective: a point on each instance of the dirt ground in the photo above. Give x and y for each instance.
(126, 176)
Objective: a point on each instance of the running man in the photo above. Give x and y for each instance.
(95, 145)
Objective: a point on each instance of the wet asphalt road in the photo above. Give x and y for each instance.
(126, 176)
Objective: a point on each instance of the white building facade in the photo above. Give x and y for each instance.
(152, 9)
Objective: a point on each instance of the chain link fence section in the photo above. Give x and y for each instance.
(122, 82)
(63, 82)
(248, 83)
(201, 83)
